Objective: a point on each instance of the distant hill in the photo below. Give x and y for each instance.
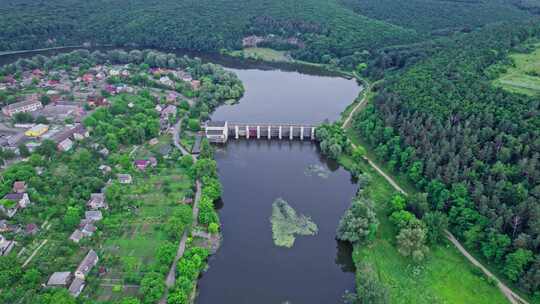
(326, 26)
(440, 16)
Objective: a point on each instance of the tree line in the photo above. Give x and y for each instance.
(474, 149)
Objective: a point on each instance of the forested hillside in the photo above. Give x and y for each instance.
(327, 27)
(472, 147)
(437, 16)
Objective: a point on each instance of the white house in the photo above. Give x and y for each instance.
(217, 131)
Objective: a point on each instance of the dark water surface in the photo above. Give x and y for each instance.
(249, 268)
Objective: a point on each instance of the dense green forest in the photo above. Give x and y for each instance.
(326, 26)
(472, 147)
(437, 17)
(328, 29)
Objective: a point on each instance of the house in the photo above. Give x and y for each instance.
(172, 97)
(105, 169)
(76, 236)
(38, 73)
(195, 84)
(153, 161)
(80, 132)
(30, 105)
(93, 216)
(4, 226)
(141, 164)
(158, 108)
(104, 152)
(168, 111)
(88, 78)
(19, 187)
(37, 130)
(124, 178)
(65, 145)
(97, 201)
(153, 141)
(100, 76)
(165, 80)
(86, 265)
(217, 131)
(88, 229)
(251, 41)
(5, 246)
(31, 229)
(76, 287)
(59, 279)
(13, 202)
(113, 72)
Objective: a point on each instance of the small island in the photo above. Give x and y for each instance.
(286, 224)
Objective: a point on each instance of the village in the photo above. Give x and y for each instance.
(50, 108)
(53, 105)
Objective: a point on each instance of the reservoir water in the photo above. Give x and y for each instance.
(249, 268)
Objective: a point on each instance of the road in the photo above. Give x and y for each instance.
(171, 276)
(508, 293)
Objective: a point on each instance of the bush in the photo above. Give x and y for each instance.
(193, 125)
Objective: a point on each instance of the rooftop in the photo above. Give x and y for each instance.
(59, 278)
(216, 124)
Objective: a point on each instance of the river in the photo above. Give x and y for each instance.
(249, 268)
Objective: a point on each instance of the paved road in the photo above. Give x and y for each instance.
(508, 293)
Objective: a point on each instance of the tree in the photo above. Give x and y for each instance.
(72, 217)
(23, 117)
(129, 300)
(205, 168)
(213, 228)
(411, 242)
(359, 223)
(23, 150)
(152, 287)
(369, 288)
(516, 262)
(398, 202)
(47, 148)
(437, 223)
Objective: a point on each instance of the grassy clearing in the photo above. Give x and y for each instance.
(524, 77)
(265, 54)
(445, 277)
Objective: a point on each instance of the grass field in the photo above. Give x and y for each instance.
(264, 54)
(524, 77)
(445, 277)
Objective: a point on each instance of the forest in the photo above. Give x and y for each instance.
(470, 146)
(328, 29)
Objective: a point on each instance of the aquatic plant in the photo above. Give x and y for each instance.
(317, 170)
(286, 224)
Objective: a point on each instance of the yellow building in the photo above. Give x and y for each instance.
(37, 130)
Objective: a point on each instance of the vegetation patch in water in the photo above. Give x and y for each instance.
(286, 224)
(317, 170)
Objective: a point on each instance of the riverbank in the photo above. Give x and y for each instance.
(449, 261)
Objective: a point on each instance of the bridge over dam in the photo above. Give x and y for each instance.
(221, 131)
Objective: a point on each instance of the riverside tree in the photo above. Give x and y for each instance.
(359, 223)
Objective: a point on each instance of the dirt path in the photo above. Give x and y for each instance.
(34, 253)
(347, 121)
(508, 293)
